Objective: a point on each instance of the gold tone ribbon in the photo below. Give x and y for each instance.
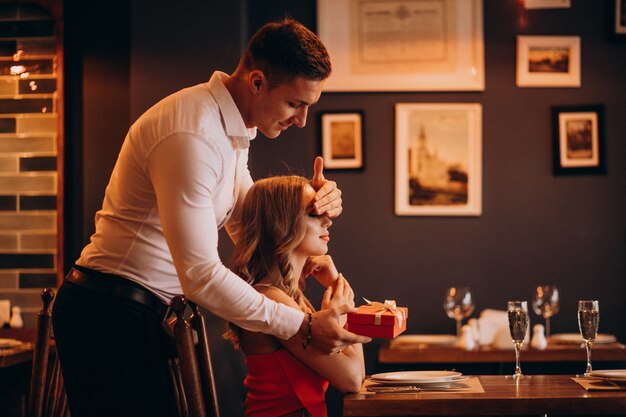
(380, 308)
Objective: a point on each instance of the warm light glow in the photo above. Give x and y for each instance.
(33, 86)
(17, 69)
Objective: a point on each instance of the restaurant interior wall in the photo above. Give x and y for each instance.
(535, 228)
(30, 165)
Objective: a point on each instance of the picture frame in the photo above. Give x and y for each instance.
(619, 14)
(404, 45)
(342, 139)
(547, 4)
(438, 159)
(578, 139)
(548, 61)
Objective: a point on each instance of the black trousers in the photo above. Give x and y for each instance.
(113, 355)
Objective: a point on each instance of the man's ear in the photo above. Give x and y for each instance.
(256, 81)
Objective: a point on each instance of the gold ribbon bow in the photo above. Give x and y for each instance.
(380, 308)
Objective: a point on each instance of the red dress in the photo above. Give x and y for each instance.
(279, 384)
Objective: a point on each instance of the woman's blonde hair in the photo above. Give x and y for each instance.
(273, 224)
(272, 221)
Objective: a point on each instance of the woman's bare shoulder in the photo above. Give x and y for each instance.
(276, 294)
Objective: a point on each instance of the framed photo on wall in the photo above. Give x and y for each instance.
(342, 140)
(403, 45)
(578, 143)
(548, 61)
(438, 159)
(620, 17)
(547, 4)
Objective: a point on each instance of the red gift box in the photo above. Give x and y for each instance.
(378, 320)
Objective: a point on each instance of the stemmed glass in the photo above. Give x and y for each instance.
(588, 322)
(518, 326)
(458, 304)
(546, 303)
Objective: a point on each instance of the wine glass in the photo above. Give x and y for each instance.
(588, 322)
(518, 326)
(546, 303)
(458, 304)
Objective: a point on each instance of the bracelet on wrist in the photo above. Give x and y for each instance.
(306, 342)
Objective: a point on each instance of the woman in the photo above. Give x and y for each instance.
(282, 242)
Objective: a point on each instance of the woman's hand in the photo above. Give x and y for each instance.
(322, 268)
(338, 294)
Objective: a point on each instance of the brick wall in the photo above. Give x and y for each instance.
(28, 156)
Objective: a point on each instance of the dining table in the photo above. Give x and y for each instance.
(494, 395)
(15, 369)
(425, 354)
(19, 354)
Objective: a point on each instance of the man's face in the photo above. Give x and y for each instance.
(277, 108)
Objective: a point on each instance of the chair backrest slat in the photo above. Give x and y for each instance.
(204, 358)
(40, 356)
(47, 396)
(190, 369)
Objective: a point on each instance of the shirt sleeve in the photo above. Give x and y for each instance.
(233, 226)
(185, 170)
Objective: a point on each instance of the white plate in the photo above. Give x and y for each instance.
(425, 339)
(9, 343)
(610, 374)
(576, 338)
(414, 377)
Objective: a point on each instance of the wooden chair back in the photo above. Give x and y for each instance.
(47, 394)
(191, 368)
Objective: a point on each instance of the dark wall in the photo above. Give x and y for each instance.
(97, 64)
(535, 228)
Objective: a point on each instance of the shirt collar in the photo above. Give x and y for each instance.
(234, 125)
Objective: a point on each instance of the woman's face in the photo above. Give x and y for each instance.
(316, 235)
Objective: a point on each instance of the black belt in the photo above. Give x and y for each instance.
(114, 285)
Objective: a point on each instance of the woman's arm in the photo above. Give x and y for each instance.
(344, 370)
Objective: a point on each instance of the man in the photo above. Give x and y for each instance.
(180, 176)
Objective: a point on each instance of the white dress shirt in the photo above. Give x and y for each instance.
(181, 175)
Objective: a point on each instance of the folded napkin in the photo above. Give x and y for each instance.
(493, 329)
(597, 384)
(469, 386)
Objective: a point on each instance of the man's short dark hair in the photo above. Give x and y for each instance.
(285, 50)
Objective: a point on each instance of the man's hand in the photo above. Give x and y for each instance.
(328, 196)
(326, 334)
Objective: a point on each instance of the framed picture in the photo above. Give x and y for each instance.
(403, 45)
(620, 17)
(342, 140)
(578, 146)
(438, 159)
(547, 4)
(548, 61)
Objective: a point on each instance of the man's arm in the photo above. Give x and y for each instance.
(184, 170)
(233, 226)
